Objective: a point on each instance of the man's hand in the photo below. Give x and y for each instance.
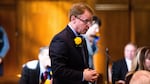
(90, 75)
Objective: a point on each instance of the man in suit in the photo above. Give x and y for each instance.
(121, 67)
(68, 51)
(33, 70)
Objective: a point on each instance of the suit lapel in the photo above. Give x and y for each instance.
(85, 53)
(82, 50)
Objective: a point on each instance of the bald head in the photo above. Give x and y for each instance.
(141, 77)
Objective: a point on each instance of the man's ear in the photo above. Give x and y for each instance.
(72, 18)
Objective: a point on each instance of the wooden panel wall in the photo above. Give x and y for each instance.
(141, 12)
(115, 31)
(8, 22)
(123, 21)
(31, 24)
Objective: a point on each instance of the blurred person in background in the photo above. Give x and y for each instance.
(121, 67)
(140, 62)
(38, 71)
(92, 37)
(141, 77)
(4, 47)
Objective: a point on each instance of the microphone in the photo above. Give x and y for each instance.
(107, 51)
(107, 64)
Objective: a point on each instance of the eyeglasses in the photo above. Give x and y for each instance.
(86, 21)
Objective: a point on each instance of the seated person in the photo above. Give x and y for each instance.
(33, 71)
(141, 77)
(122, 66)
(140, 62)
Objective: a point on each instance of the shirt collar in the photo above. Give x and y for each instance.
(76, 34)
(42, 69)
(128, 63)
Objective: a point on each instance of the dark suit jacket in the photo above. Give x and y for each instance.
(67, 59)
(30, 76)
(119, 70)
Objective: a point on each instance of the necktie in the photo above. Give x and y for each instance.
(94, 46)
(84, 51)
(96, 38)
(47, 76)
(44, 77)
